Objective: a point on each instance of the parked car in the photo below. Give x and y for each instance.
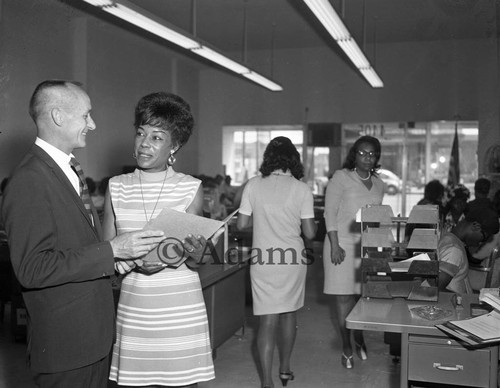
(393, 183)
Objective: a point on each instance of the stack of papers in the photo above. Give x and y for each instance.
(479, 330)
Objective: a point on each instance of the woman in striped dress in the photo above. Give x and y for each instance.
(162, 327)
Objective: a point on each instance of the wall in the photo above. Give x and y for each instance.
(42, 39)
(423, 82)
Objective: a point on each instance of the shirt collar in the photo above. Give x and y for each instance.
(60, 157)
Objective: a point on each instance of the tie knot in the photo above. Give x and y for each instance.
(74, 163)
(78, 169)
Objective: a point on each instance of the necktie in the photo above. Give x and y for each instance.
(84, 191)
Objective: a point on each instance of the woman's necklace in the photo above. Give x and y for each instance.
(360, 177)
(157, 199)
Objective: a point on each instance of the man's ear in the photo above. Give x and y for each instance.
(56, 116)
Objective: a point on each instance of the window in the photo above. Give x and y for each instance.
(416, 153)
(244, 147)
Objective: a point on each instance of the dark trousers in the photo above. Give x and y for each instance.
(90, 376)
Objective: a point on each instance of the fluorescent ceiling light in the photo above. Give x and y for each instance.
(331, 21)
(372, 77)
(257, 78)
(214, 56)
(149, 22)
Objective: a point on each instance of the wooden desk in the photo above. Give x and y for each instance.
(427, 354)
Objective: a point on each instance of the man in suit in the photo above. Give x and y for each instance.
(57, 250)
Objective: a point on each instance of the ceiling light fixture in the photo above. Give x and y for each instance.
(336, 28)
(149, 22)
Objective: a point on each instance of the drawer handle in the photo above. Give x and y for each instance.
(438, 365)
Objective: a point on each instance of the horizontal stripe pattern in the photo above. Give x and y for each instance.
(162, 326)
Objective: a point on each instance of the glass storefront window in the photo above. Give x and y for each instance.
(244, 147)
(412, 155)
(416, 153)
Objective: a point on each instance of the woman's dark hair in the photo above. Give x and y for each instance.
(168, 112)
(281, 154)
(350, 160)
(434, 191)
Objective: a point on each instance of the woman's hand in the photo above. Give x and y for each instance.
(195, 250)
(337, 254)
(124, 266)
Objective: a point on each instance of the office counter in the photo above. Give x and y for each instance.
(427, 354)
(224, 292)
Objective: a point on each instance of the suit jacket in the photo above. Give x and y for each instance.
(62, 264)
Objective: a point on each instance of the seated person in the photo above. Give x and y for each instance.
(482, 251)
(455, 208)
(453, 264)
(475, 228)
(433, 195)
(481, 190)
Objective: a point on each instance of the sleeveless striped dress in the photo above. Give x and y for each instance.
(162, 326)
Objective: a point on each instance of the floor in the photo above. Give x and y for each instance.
(316, 357)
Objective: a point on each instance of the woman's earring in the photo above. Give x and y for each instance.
(171, 158)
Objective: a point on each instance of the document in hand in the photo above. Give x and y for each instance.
(479, 330)
(176, 226)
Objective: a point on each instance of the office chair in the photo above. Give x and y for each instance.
(485, 274)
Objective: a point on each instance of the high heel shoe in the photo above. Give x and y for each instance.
(361, 351)
(347, 362)
(285, 377)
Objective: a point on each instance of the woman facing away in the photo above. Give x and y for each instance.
(351, 188)
(280, 207)
(162, 327)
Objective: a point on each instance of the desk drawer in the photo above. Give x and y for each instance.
(448, 364)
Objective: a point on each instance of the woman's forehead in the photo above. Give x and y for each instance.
(364, 146)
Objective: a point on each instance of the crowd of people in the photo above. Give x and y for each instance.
(64, 253)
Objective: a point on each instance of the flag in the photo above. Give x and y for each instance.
(454, 169)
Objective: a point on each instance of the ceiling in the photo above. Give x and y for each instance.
(282, 24)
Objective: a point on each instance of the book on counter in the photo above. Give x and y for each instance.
(481, 330)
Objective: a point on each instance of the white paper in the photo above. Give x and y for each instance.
(485, 326)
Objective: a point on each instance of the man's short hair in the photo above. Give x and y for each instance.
(37, 99)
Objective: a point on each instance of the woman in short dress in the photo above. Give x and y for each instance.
(162, 327)
(351, 188)
(280, 207)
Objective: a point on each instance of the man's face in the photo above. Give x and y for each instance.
(77, 120)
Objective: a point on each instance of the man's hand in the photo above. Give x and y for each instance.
(132, 245)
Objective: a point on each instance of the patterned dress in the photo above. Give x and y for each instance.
(162, 326)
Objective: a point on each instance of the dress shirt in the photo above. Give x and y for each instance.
(62, 159)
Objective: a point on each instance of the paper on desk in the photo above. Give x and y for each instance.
(486, 327)
(404, 265)
(177, 225)
(422, 256)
